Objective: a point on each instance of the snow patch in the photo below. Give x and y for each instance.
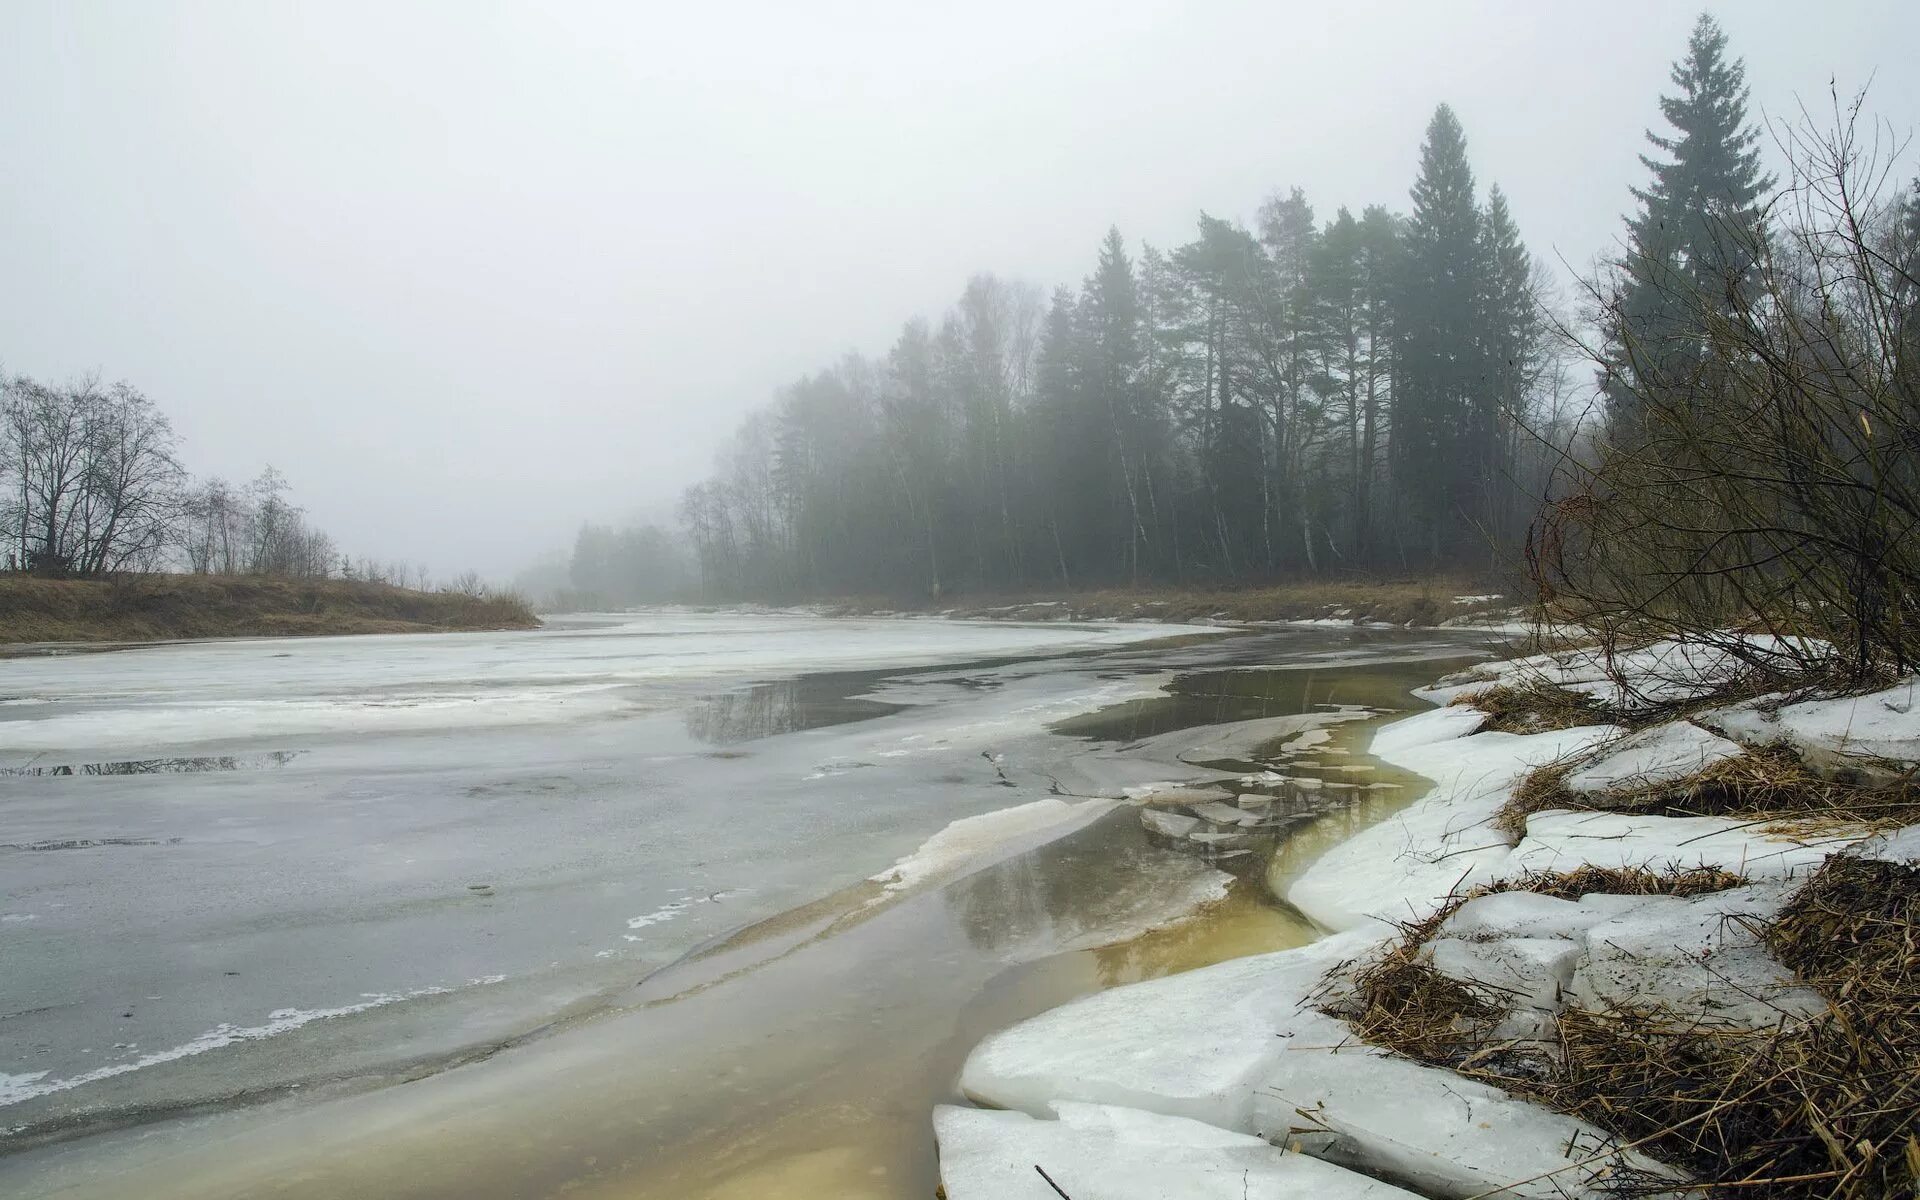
(1663, 754)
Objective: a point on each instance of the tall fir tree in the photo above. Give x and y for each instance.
(1434, 454)
(1509, 343)
(1694, 243)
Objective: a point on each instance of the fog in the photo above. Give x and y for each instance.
(469, 276)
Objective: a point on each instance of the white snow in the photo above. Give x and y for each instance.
(1663, 671)
(1558, 840)
(1883, 725)
(1519, 914)
(975, 841)
(1103, 1152)
(1663, 754)
(1407, 865)
(668, 912)
(1901, 846)
(1698, 957)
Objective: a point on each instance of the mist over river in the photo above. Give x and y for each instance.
(254, 887)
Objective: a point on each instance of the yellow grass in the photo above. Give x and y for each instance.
(159, 606)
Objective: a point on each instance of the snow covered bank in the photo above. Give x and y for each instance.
(1253, 1046)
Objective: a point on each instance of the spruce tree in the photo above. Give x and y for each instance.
(1509, 346)
(1434, 458)
(1694, 243)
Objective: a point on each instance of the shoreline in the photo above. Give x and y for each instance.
(1197, 1068)
(54, 616)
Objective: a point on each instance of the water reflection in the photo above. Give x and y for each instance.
(1218, 697)
(182, 765)
(786, 706)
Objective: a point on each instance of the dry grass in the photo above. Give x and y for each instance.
(153, 607)
(1400, 1002)
(1769, 783)
(1825, 1109)
(1536, 708)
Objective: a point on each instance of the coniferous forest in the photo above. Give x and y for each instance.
(1394, 389)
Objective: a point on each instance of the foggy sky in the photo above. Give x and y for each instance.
(469, 274)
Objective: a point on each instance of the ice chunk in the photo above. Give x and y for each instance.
(1558, 840)
(1527, 972)
(975, 841)
(1700, 957)
(1223, 814)
(1519, 914)
(1424, 729)
(1192, 1045)
(1662, 754)
(1432, 1130)
(1101, 1152)
(1168, 824)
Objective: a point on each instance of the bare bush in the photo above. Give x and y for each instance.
(90, 479)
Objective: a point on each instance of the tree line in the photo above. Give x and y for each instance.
(91, 484)
(1297, 396)
(1382, 390)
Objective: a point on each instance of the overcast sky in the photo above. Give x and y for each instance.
(469, 274)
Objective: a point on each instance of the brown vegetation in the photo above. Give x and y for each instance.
(1767, 782)
(1536, 708)
(1398, 601)
(152, 607)
(1824, 1109)
(1400, 1002)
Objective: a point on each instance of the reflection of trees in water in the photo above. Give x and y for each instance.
(756, 712)
(185, 765)
(784, 706)
(1151, 955)
(1056, 892)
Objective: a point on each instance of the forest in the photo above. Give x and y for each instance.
(1302, 396)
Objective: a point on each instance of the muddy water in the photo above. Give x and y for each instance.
(800, 1057)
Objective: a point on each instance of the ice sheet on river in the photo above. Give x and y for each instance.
(1111, 1153)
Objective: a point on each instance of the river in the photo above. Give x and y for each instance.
(588, 910)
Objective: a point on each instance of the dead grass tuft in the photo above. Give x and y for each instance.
(1767, 783)
(1825, 1109)
(1536, 708)
(1400, 1002)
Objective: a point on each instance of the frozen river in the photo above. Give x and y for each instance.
(253, 869)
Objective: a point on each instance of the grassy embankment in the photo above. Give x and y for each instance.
(1403, 601)
(160, 606)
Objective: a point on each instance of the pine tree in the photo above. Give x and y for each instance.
(1434, 455)
(1695, 241)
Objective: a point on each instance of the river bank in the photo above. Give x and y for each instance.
(163, 606)
(1592, 959)
(1411, 601)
